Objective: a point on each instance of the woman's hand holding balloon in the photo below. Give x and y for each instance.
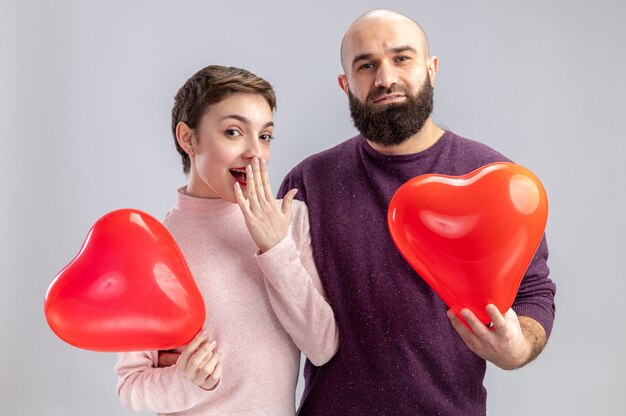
(200, 362)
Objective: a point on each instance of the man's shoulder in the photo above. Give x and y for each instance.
(473, 149)
(339, 151)
(328, 158)
(320, 168)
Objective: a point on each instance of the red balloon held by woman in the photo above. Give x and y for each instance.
(471, 237)
(128, 289)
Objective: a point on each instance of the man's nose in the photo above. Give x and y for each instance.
(385, 76)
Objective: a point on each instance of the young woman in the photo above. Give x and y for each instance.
(250, 256)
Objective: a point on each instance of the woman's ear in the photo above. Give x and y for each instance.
(184, 136)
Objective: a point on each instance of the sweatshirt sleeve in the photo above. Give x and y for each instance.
(142, 387)
(296, 293)
(535, 297)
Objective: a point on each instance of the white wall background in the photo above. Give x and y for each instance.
(86, 90)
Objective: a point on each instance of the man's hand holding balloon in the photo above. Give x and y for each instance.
(510, 342)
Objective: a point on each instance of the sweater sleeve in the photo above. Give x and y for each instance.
(535, 297)
(296, 293)
(142, 387)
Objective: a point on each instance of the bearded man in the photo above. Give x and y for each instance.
(402, 352)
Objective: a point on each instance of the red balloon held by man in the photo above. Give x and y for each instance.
(128, 289)
(471, 237)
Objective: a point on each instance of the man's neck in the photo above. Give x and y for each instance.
(428, 135)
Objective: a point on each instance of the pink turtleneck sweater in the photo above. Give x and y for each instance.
(261, 309)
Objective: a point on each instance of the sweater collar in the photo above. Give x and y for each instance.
(203, 207)
(403, 158)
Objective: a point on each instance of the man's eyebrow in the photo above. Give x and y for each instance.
(397, 49)
(361, 57)
(400, 49)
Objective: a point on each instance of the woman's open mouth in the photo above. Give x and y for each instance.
(239, 174)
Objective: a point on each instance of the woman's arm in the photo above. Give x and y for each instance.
(293, 285)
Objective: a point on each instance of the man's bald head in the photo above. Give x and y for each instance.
(377, 17)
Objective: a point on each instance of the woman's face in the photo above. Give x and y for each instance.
(229, 135)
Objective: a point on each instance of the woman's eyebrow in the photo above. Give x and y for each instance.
(245, 120)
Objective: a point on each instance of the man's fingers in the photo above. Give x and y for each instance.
(498, 320)
(459, 326)
(478, 328)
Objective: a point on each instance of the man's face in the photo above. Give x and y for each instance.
(389, 78)
(391, 124)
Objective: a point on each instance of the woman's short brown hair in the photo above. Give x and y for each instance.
(209, 86)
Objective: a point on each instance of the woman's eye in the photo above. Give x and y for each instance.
(266, 137)
(232, 133)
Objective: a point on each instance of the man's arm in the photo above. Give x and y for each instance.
(535, 336)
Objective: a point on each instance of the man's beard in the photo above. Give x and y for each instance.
(394, 123)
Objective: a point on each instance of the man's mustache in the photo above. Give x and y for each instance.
(380, 91)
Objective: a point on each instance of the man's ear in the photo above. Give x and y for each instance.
(432, 64)
(343, 83)
(184, 136)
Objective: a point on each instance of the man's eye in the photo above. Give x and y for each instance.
(266, 137)
(367, 66)
(402, 58)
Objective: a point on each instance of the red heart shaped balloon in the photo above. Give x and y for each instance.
(471, 237)
(128, 289)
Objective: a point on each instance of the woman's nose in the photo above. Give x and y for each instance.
(253, 149)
